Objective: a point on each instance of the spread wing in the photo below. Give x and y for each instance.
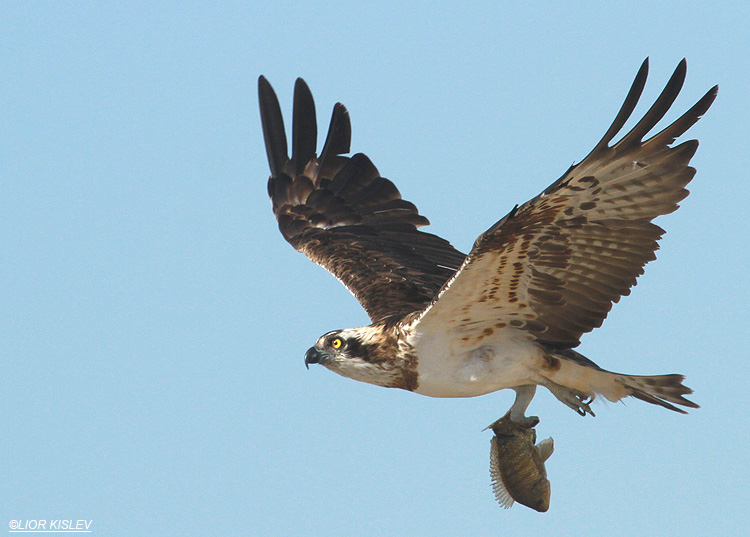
(555, 265)
(343, 215)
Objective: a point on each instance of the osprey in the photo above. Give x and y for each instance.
(508, 314)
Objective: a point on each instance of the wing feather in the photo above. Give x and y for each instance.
(344, 216)
(555, 266)
(274, 134)
(304, 128)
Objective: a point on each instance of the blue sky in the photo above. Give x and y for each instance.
(154, 322)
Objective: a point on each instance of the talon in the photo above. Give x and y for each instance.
(577, 400)
(585, 408)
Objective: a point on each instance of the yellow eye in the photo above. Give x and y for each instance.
(336, 343)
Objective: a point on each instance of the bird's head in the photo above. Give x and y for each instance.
(368, 354)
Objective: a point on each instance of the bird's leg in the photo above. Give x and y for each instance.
(575, 399)
(524, 395)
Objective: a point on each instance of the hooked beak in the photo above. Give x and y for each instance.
(313, 356)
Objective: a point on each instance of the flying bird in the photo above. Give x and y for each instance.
(510, 313)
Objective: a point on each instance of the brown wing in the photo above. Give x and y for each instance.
(344, 216)
(555, 265)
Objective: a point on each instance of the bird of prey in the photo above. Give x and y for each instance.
(510, 313)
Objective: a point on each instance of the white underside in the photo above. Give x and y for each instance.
(451, 367)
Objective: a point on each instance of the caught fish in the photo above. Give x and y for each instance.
(517, 465)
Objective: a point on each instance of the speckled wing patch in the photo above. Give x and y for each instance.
(554, 266)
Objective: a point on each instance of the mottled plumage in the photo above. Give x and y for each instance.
(509, 314)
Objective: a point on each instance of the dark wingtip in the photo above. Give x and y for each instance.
(644, 67)
(304, 127)
(341, 137)
(659, 109)
(684, 122)
(338, 140)
(626, 110)
(272, 122)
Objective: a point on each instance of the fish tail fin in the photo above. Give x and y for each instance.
(545, 448)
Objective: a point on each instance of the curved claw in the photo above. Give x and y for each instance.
(583, 407)
(577, 400)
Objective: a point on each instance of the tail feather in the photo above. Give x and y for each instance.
(659, 390)
(578, 376)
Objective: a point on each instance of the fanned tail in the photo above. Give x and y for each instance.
(578, 378)
(659, 390)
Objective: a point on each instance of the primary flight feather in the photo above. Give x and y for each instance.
(508, 314)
